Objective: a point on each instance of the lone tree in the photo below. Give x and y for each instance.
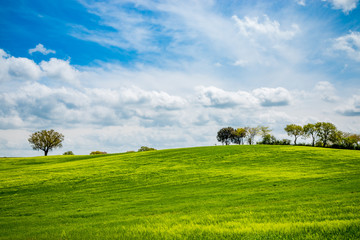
(224, 135)
(294, 130)
(46, 140)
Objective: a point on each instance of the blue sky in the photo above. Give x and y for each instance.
(116, 75)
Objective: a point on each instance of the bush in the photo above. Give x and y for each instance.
(283, 142)
(271, 140)
(144, 148)
(68, 153)
(97, 152)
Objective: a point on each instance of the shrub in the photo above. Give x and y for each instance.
(68, 153)
(271, 140)
(144, 148)
(97, 152)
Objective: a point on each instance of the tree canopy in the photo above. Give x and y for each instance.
(224, 135)
(325, 131)
(294, 130)
(46, 140)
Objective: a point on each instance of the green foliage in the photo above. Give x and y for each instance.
(238, 135)
(46, 140)
(227, 192)
(271, 140)
(252, 132)
(97, 152)
(68, 153)
(144, 149)
(294, 130)
(310, 130)
(225, 135)
(326, 132)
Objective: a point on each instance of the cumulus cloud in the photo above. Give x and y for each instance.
(60, 69)
(36, 104)
(266, 97)
(40, 48)
(326, 91)
(350, 44)
(18, 68)
(352, 108)
(26, 69)
(269, 97)
(252, 26)
(218, 98)
(345, 5)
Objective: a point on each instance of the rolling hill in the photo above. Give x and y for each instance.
(221, 192)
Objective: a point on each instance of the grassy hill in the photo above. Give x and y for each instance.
(223, 192)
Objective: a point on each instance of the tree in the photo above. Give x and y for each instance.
(355, 139)
(144, 149)
(97, 152)
(324, 130)
(238, 135)
(252, 132)
(68, 153)
(224, 135)
(294, 130)
(268, 139)
(310, 130)
(264, 132)
(46, 140)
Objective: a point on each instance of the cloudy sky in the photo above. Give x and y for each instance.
(115, 75)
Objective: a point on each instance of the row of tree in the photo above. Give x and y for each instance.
(323, 134)
(240, 135)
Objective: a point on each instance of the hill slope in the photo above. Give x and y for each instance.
(224, 192)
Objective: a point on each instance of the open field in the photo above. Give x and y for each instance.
(223, 192)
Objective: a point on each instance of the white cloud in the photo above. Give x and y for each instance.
(352, 108)
(252, 26)
(40, 48)
(60, 69)
(241, 63)
(218, 98)
(38, 104)
(3, 54)
(326, 91)
(350, 44)
(272, 96)
(301, 2)
(266, 97)
(18, 68)
(345, 5)
(13, 68)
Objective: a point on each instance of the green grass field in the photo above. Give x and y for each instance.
(223, 192)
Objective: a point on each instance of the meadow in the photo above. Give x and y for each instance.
(219, 192)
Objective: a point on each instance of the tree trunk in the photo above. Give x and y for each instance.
(46, 152)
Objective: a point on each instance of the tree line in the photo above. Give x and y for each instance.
(322, 134)
(242, 135)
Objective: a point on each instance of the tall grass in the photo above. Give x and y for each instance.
(223, 192)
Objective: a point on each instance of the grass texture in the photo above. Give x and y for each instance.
(220, 192)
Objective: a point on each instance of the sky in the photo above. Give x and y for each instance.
(120, 74)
